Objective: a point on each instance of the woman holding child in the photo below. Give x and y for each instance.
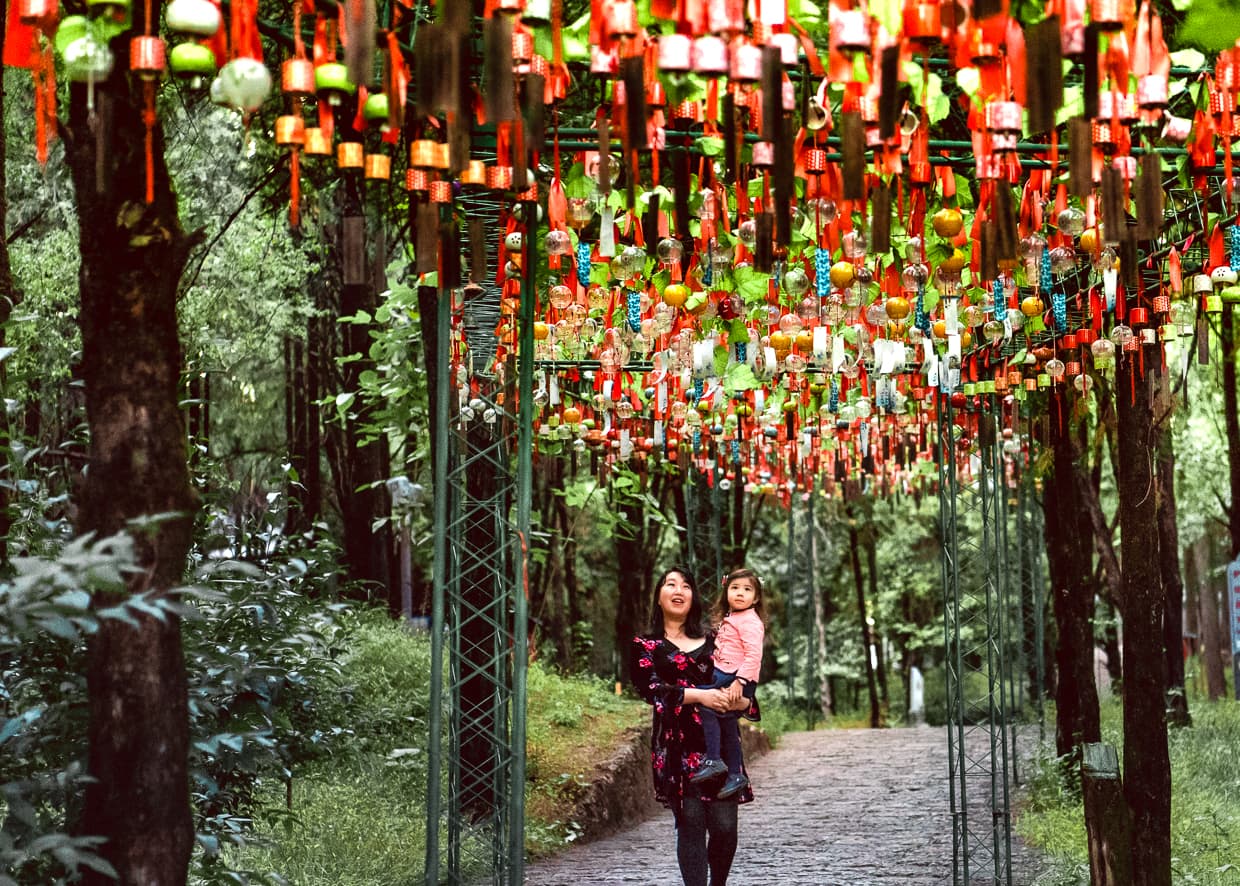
(669, 664)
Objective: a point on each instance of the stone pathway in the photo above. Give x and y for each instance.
(832, 808)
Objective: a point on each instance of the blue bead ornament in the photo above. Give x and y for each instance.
(1000, 308)
(822, 272)
(633, 302)
(1233, 237)
(583, 263)
(736, 452)
(833, 399)
(742, 351)
(921, 319)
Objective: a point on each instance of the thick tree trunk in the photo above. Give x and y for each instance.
(1147, 767)
(854, 544)
(8, 299)
(1068, 557)
(1208, 619)
(133, 254)
(364, 468)
(1169, 561)
(871, 566)
(637, 545)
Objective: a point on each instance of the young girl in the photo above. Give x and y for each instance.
(738, 662)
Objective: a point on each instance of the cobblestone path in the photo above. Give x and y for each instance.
(832, 808)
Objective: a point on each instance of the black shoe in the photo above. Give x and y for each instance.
(708, 770)
(732, 786)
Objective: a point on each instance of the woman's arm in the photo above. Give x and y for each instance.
(645, 676)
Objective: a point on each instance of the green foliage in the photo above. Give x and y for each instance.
(1211, 26)
(1205, 802)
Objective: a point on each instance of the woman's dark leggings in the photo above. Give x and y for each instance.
(695, 852)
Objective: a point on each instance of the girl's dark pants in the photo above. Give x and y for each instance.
(722, 732)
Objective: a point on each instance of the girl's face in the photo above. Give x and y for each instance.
(742, 593)
(675, 596)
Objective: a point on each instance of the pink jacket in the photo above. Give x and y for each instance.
(738, 645)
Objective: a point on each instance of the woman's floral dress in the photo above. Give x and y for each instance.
(661, 672)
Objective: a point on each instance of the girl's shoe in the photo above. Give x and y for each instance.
(732, 786)
(708, 770)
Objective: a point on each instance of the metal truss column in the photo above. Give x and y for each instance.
(476, 779)
(971, 508)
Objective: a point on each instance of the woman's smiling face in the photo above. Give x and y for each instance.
(675, 596)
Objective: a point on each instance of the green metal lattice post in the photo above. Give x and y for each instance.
(975, 612)
(520, 652)
(788, 607)
(811, 618)
(443, 327)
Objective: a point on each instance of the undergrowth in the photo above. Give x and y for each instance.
(1205, 808)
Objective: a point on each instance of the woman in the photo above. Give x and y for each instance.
(666, 666)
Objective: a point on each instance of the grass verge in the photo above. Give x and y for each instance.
(1205, 806)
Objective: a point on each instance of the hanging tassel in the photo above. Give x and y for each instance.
(499, 94)
(294, 187)
(1091, 71)
(989, 249)
(729, 131)
(889, 96)
(535, 112)
(1007, 240)
(359, 54)
(784, 176)
(1150, 197)
(772, 94)
(632, 72)
(763, 256)
(1080, 157)
(880, 223)
(852, 151)
(1044, 78)
(148, 121)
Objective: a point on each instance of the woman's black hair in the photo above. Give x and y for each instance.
(693, 619)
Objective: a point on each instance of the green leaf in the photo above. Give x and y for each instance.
(750, 284)
(969, 81)
(709, 145)
(1188, 58)
(739, 378)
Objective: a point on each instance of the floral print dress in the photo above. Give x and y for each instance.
(661, 672)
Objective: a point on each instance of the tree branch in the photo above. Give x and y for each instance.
(228, 223)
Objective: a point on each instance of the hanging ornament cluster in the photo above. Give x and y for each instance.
(755, 258)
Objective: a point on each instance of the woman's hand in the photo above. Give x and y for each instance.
(715, 699)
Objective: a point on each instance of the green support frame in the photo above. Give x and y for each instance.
(479, 646)
(976, 612)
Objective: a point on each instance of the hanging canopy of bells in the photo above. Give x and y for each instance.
(754, 259)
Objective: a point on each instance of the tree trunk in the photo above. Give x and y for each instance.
(1211, 645)
(132, 257)
(854, 544)
(1231, 420)
(1068, 558)
(1169, 560)
(637, 545)
(871, 565)
(364, 467)
(8, 299)
(1147, 766)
